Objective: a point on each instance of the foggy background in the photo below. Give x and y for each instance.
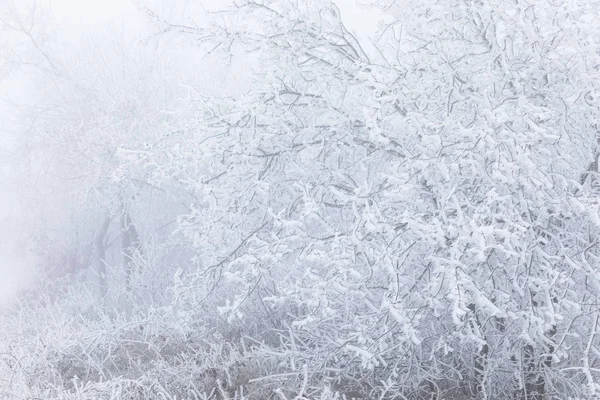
(73, 22)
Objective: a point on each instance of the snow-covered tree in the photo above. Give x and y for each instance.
(424, 211)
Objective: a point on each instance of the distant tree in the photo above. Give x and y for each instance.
(95, 99)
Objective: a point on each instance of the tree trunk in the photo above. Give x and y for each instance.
(480, 360)
(479, 366)
(101, 255)
(548, 357)
(130, 242)
(534, 385)
(126, 248)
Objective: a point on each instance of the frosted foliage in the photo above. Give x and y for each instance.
(415, 217)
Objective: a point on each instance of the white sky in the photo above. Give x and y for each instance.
(82, 13)
(91, 11)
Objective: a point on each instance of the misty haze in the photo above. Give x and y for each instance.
(300, 199)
